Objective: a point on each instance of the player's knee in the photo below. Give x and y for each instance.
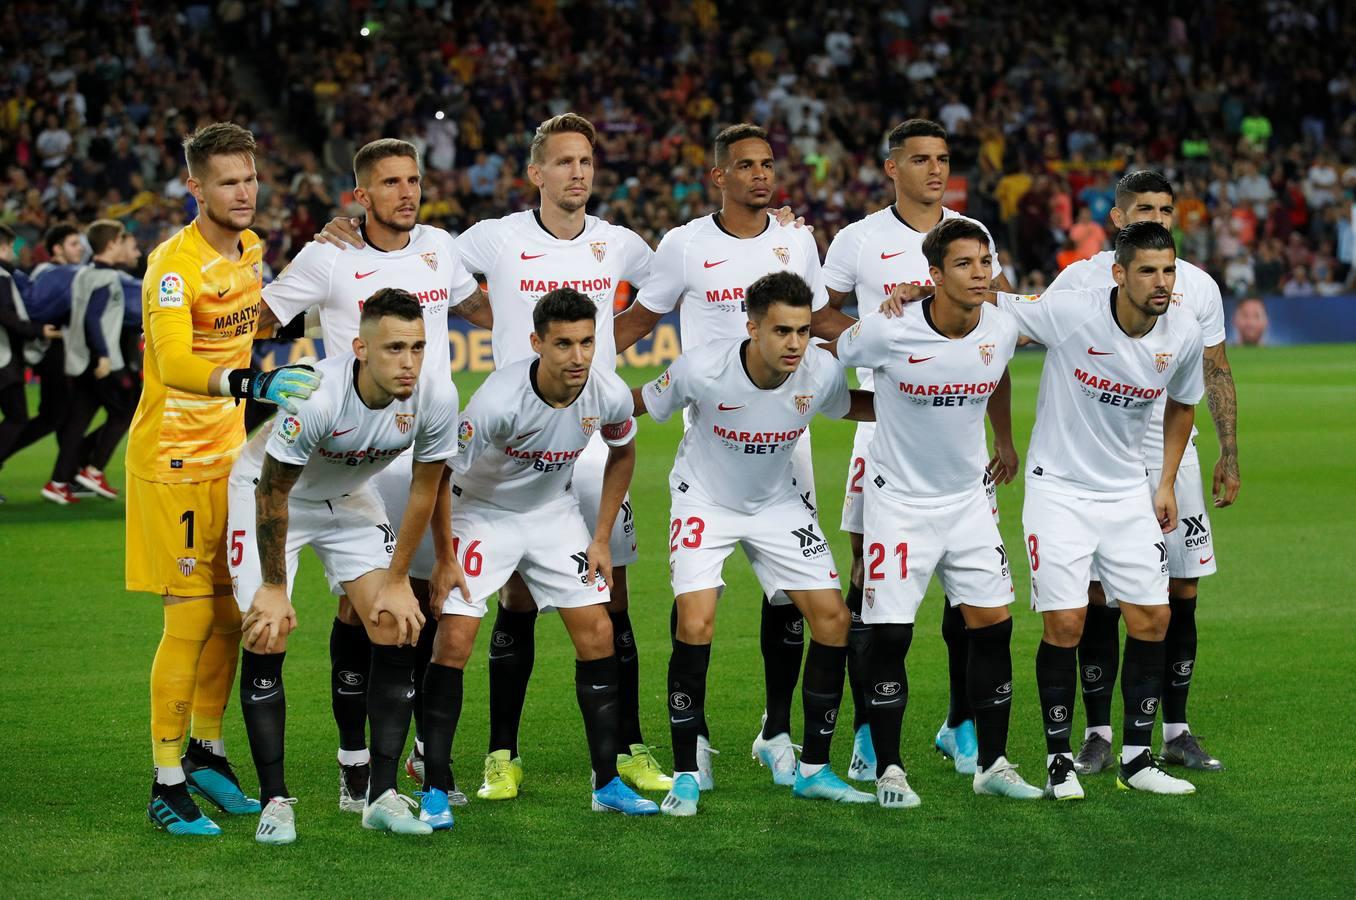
(450, 646)
(346, 613)
(1096, 596)
(1063, 628)
(696, 626)
(830, 625)
(593, 638)
(1183, 588)
(225, 615)
(984, 616)
(189, 619)
(1149, 623)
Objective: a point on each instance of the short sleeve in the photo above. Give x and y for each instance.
(293, 437)
(636, 258)
(479, 245)
(437, 436)
(812, 271)
(866, 344)
(486, 419)
(837, 397)
(997, 271)
(1187, 384)
(1210, 312)
(662, 290)
(619, 423)
(671, 391)
(840, 264)
(304, 283)
(1050, 317)
(1070, 279)
(462, 283)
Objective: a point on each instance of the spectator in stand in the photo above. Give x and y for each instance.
(1089, 238)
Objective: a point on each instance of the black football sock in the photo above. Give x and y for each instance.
(702, 728)
(350, 660)
(390, 700)
(859, 643)
(989, 681)
(1141, 688)
(595, 685)
(889, 693)
(1180, 647)
(1098, 659)
(1056, 681)
(443, 692)
(513, 650)
(423, 654)
(821, 694)
(264, 706)
(628, 680)
(957, 639)
(782, 636)
(687, 701)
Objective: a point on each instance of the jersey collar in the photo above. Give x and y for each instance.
(715, 218)
(536, 214)
(532, 380)
(1122, 327)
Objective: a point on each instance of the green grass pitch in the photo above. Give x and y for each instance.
(1274, 676)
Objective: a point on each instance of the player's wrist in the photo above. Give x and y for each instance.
(237, 383)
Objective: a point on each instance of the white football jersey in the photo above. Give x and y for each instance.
(340, 281)
(517, 452)
(931, 395)
(707, 269)
(1099, 387)
(342, 442)
(871, 256)
(522, 261)
(736, 452)
(1195, 292)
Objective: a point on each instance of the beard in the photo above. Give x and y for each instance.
(391, 223)
(225, 221)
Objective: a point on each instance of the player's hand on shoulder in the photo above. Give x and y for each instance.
(1003, 467)
(269, 620)
(286, 386)
(902, 296)
(787, 216)
(396, 600)
(342, 232)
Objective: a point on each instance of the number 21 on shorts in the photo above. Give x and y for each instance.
(875, 561)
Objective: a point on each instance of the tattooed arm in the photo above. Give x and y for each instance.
(271, 617)
(476, 309)
(1223, 402)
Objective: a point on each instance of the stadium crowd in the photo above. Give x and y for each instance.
(99, 97)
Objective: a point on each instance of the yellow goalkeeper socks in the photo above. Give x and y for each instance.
(188, 624)
(216, 674)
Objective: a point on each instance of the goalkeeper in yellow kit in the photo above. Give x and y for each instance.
(200, 304)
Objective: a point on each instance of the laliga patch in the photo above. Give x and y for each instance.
(465, 431)
(289, 429)
(662, 383)
(854, 330)
(171, 291)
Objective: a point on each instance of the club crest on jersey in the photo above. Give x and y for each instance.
(1162, 361)
(869, 595)
(803, 403)
(782, 254)
(257, 269)
(1176, 298)
(599, 249)
(588, 425)
(430, 259)
(289, 429)
(986, 353)
(187, 564)
(404, 422)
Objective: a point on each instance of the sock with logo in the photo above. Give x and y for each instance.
(1056, 681)
(859, 644)
(443, 693)
(989, 680)
(957, 639)
(702, 728)
(174, 673)
(1141, 688)
(350, 660)
(1180, 649)
(821, 694)
(1098, 659)
(513, 650)
(423, 654)
(889, 693)
(782, 637)
(595, 687)
(216, 674)
(390, 701)
(687, 700)
(628, 679)
(263, 703)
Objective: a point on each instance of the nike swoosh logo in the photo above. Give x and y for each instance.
(711, 265)
(826, 733)
(526, 434)
(344, 693)
(884, 255)
(1139, 724)
(626, 659)
(362, 275)
(1096, 690)
(173, 740)
(875, 702)
(500, 656)
(1207, 559)
(1092, 352)
(598, 687)
(681, 721)
(256, 698)
(222, 293)
(727, 408)
(526, 255)
(833, 574)
(344, 432)
(914, 359)
(1056, 732)
(1001, 701)
(1181, 683)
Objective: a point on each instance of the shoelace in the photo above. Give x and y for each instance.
(283, 801)
(792, 750)
(497, 768)
(646, 755)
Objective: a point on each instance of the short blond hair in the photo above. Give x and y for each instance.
(565, 123)
(103, 232)
(217, 139)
